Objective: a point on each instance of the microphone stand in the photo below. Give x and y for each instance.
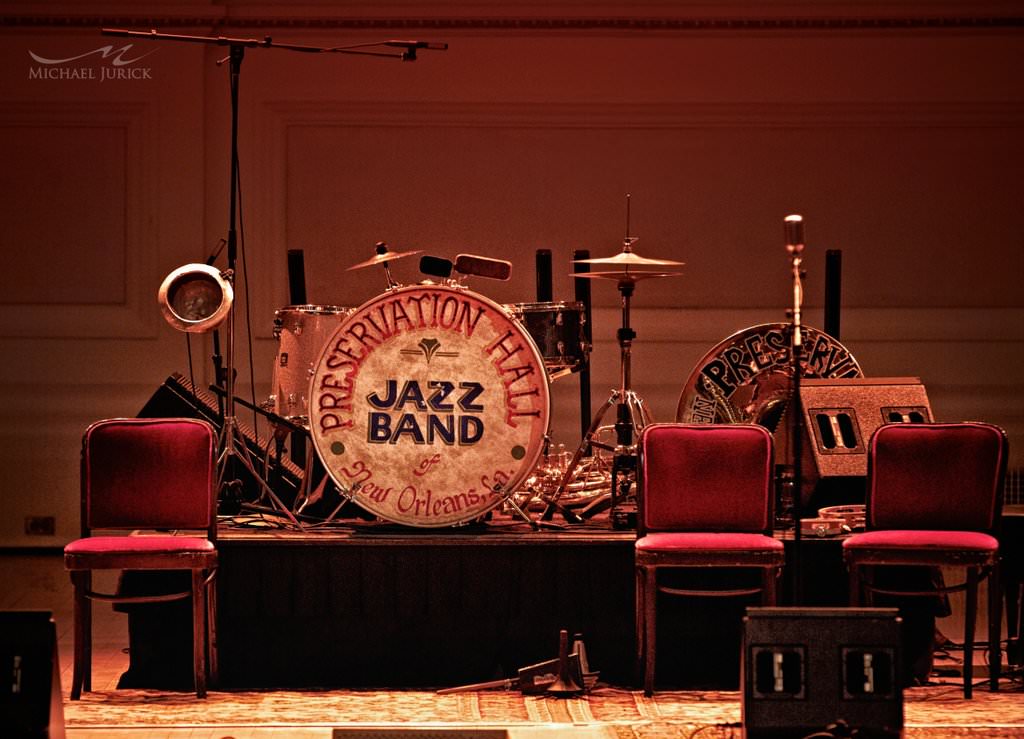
(231, 445)
(794, 248)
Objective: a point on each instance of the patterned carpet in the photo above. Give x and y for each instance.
(934, 711)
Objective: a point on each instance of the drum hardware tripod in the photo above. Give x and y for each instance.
(631, 412)
(631, 417)
(281, 427)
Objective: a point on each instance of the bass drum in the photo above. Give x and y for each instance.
(301, 332)
(429, 405)
(746, 377)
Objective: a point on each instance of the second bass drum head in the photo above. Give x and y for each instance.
(746, 377)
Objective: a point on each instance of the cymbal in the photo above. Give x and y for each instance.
(388, 256)
(624, 276)
(630, 259)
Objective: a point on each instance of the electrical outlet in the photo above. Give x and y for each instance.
(41, 525)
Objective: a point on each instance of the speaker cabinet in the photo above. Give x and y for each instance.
(31, 705)
(841, 415)
(177, 397)
(807, 669)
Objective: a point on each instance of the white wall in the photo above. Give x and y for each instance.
(903, 148)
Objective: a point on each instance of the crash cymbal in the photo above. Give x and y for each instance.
(387, 256)
(624, 276)
(630, 259)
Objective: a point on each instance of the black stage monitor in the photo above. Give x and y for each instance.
(31, 705)
(808, 670)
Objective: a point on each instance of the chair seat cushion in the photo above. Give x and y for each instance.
(968, 541)
(683, 540)
(139, 545)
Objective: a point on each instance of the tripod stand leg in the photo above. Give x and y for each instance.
(231, 440)
(638, 412)
(346, 497)
(520, 512)
(306, 496)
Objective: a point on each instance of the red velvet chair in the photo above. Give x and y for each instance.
(934, 499)
(156, 478)
(705, 500)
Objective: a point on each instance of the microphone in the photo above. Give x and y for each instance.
(495, 269)
(435, 266)
(432, 45)
(794, 226)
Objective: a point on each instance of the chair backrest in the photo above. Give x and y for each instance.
(149, 473)
(705, 477)
(941, 476)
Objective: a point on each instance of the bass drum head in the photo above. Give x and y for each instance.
(746, 377)
(429, 405)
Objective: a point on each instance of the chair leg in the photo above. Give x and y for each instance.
(638, 610)
(854, 584)
(81, 581)
(650, 627)
(995, 607)
(199, 631)
(769, 580)
(970, 616)
(1012, 588)
(211, 628)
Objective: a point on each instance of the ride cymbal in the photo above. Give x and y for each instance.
(630, 259)
(388, 256)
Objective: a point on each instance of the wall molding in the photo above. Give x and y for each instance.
(599, 115)
(750, 18)
(860, 324)
(135, 317)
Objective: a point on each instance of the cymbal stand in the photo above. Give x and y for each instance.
(382, 248)
(630, 418)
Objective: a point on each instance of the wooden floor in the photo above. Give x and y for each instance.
(38, 581)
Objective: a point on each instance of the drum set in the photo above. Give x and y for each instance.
(429, 405)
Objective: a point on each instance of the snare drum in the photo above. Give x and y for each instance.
(429, 405)
(301, 332)
(557, 328)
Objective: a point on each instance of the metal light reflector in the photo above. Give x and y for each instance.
(195, 298)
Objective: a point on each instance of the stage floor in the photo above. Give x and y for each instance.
(933, 712)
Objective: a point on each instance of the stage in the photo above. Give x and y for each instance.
(387, 606)
(935, 711)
